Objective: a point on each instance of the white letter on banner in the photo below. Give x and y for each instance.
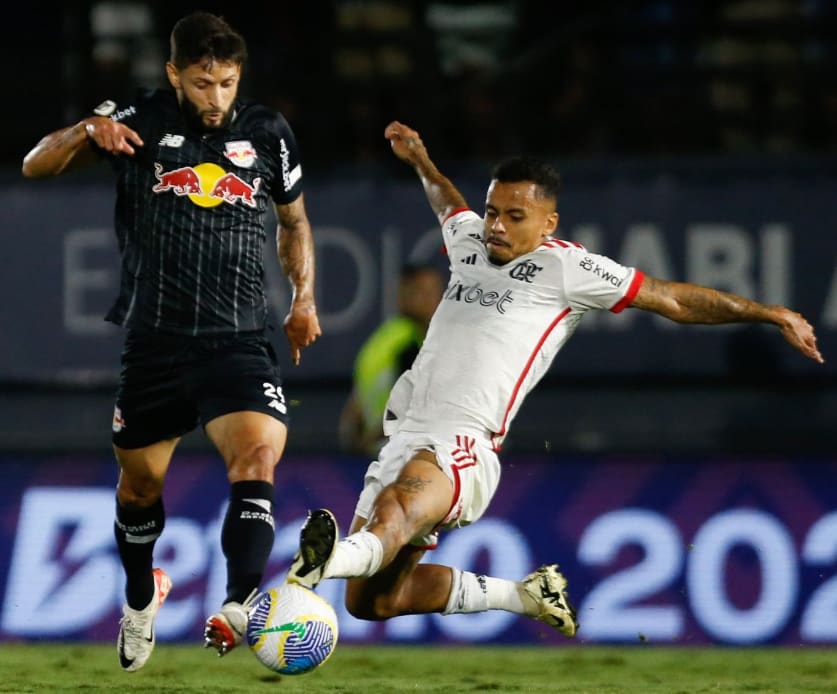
(706, 576)
(776, 264)
(42, 597)
(79, 279)
(829, 314)
(354, 258)
(819, 619)
(721, 256)
(644, 247)
(612, 609)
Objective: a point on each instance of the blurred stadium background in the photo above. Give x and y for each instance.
(683, 477)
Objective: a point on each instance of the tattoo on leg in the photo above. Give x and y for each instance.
(412, 485)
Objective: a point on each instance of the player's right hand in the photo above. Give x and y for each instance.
(112, 136)
(302, 327)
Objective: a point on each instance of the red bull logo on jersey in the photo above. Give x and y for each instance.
(182, 181)
(240, 152)
(230, 188)
(206, 185)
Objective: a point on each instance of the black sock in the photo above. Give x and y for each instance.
(136, 531)
(247, 536)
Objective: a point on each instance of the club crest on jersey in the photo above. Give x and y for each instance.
(118, 421)
(241, 153)
(525, 271)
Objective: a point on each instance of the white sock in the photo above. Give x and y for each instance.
(356, 555)
(472, 593)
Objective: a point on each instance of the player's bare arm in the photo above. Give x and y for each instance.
(69, 147)
(690, 303)
(442, 195)
(295, 247)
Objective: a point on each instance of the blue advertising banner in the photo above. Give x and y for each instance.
(670, 550)
(768, 236)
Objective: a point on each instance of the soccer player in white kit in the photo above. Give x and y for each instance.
(516, 294)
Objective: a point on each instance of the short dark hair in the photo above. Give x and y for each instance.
(524, 168)
(203, 36)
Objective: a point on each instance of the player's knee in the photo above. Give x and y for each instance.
(390, 520)
(254, 463)
(139, 490)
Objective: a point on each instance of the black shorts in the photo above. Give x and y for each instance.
(170, 384)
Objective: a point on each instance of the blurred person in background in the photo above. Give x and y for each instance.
(385, 355)
(197, 170)
(515, 296)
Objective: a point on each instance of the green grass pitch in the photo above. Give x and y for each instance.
(648, 669)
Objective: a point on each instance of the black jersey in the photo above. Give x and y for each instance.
(190, 216)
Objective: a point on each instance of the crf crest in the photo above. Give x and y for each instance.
(525, 271)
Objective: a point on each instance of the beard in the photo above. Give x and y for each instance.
(195, 121)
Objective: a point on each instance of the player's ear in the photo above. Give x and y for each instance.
(173, 75)
(551, 223)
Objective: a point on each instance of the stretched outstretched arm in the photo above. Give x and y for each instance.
(443, 197)
(70, 147)
(691, 303)
(295, 248)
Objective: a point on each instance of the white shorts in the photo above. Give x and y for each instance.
(469, 462)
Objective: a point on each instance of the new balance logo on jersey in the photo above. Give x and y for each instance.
(525, 271)
(470, 260)
(169, 140)
(476, 294)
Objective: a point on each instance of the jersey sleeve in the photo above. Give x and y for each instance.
(460, 226)
(593, 281)
(288, 183)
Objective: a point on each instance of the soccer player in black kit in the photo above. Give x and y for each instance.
(196, 169)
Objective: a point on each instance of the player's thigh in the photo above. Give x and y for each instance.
(142, 471)
(419, 498)
(242, 407)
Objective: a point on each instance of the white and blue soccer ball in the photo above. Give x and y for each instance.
(292, 630)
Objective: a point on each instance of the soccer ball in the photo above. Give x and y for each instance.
(291, 630)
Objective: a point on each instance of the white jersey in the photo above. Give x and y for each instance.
(498, 328)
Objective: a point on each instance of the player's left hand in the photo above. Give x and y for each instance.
(302, 327)
(799, 332)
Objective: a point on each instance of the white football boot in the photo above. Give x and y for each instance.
(548, 589)
(136, 628)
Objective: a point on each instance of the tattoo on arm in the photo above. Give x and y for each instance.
(691, 303)
(295, 249)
